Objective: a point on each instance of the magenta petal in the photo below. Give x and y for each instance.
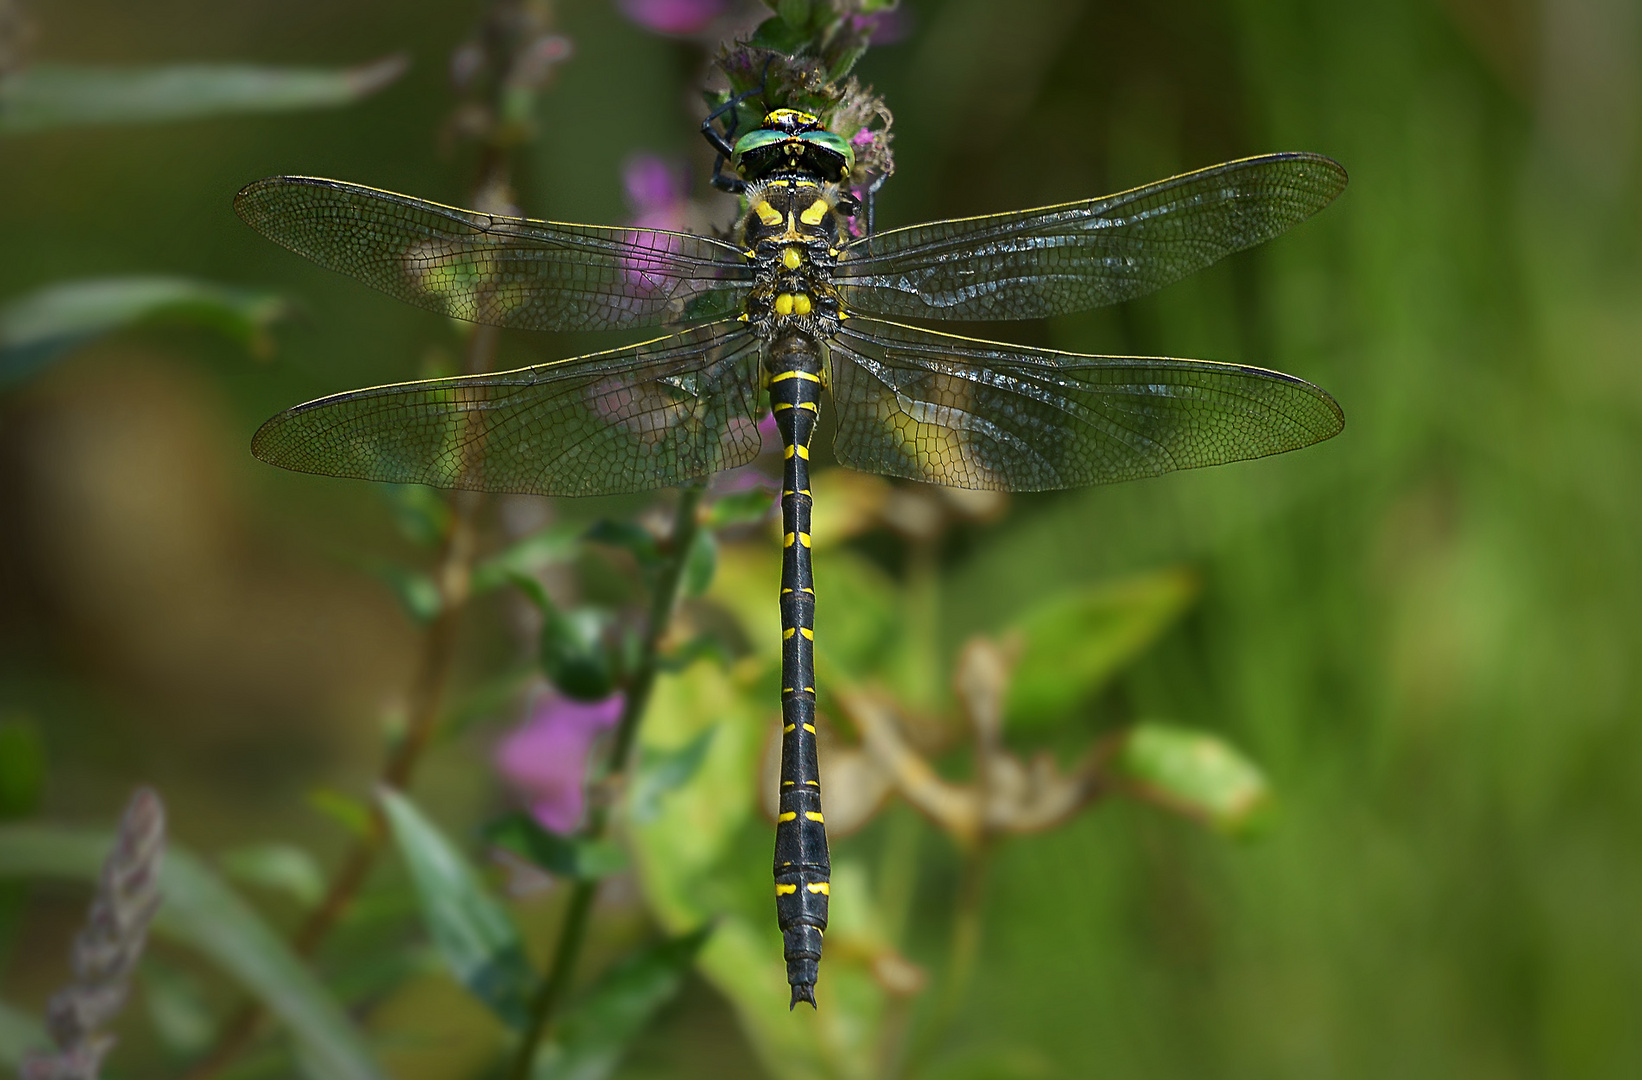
(673, 16)
(545, 758)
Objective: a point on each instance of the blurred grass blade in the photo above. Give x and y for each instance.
(46, 96)
(563, 856)
(474, 934)
(593, 1036)
(1071, 645)
(20, 1033)
(38, 327)
(201, 911)
(1193, 773)
(178, 1007)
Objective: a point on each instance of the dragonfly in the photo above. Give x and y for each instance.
(789, 307)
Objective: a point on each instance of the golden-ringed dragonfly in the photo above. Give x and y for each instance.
(788, 306)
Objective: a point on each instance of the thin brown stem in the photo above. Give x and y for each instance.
(573, 932)
(427, 696)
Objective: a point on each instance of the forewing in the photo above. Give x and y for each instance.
(978, 414)
(654, 415)
(514, 272)
(1079, 255)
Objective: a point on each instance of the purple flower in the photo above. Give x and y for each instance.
(673, 16)
(752, 476)
(545, 758)
(656, 191)
(885, 28)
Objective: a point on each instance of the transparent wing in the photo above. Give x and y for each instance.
(514, 272)
(1079, 255)
(981, 414)
(653, 415)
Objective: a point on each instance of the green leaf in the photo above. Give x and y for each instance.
(699, 647)
(700, 563)
(352, 814)
(778, 34)
(845, 61)
(740, 508)
(41, 326)
(473, 932)
(46, 96)
(282, 868)
(22, 767)
(201, 911)
(573, 652)
(593, 1036)
(628, 536)
(20, 1033)
(563, 856)
(416, 591)
(662, 771)
(1072, 645)
(536, 552)
(422, 513)
(1196, 774)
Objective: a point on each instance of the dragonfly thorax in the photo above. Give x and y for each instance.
(791, 232)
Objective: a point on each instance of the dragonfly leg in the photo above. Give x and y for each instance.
(724, 144)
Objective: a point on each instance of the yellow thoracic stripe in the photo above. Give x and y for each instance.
(817, 210)
(768, 214)
(811, 376)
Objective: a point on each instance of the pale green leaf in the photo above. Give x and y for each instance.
(40, 326)
(45, 96)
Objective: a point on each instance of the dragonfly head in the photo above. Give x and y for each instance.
(792, 141)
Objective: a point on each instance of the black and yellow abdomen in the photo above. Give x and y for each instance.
(791, 231)
(802, 870)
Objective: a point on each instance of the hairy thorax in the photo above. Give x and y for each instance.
(791, 232)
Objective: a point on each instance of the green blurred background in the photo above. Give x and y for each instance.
(1425, 630)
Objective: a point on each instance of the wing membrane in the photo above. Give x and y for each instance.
(514, 272)
(1079, 255)
(646, 416)
(979, 414)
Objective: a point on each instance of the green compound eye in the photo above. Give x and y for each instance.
(832, 144)
(754, 141)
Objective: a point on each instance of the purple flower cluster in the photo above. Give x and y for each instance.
(545, 758)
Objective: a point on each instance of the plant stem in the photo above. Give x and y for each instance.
(573, 932)
(961, 955)
(427, 696)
